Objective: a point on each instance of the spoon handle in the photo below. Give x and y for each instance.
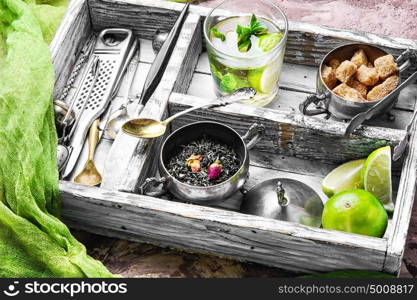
(240, 94)
(93, 139)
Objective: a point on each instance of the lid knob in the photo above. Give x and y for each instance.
(282, 200)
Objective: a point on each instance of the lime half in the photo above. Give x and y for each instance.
(264, 79)
(376, 176)
(268, 41)
(344, 177)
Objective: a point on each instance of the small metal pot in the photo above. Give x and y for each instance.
(189, 133)
(328, 102)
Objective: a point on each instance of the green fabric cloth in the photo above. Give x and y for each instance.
(33, 241)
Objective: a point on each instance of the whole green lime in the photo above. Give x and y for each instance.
(355, 211)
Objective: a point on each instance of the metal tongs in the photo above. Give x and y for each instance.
(400, 148)
(386, 102)
(161, 61)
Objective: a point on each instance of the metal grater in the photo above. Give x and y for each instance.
(112, 47)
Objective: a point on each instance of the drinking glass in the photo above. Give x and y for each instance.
(257, 68)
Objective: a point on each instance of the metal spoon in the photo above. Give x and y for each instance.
(149, 128)
(120, 115)
(90, 175)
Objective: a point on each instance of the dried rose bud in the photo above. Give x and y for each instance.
(194, 162)
(214, 170)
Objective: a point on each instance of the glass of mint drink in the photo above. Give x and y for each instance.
(246, 44)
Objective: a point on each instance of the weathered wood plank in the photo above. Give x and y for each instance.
(69, 39)
(403, 207)
(130, 159)
(204, 229)
(306, 45)
(144, 17)
(289, 99)
(293, 134)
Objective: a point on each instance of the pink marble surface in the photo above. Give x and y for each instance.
(390, 17)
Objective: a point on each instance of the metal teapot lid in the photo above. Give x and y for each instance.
(284, 199)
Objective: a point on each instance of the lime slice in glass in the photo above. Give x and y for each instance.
(344, 177)
(268, 41)
(230, 82)
(376, 176)
(264, 79)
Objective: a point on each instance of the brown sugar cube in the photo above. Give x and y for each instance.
(359, 58)
(348, 93)
(334, 63)
(367, 76)
(360, 87)
(383, 89)
(385, 66)
(329, 76)
(345, 71)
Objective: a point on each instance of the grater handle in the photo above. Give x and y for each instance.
(102, 44)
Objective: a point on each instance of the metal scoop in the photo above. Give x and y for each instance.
(379, 107)
(149, 128)
(90, 175)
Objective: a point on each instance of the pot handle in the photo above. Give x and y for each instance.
(154, 182)
(253, 135)
(317, 100)
(409, 57)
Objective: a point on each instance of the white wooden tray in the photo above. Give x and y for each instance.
(295, 146)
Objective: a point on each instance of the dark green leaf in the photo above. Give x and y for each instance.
(244, 46)
(245, 33)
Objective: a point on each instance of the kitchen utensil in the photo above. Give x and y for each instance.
(135, 47)
(63, 149)
(112, 54)
(89, 175)
(284, 199)
(192, 132)
(159, 40)
(161, 60)
(62, 112)
(84, 57)
(382, 105)
(400, 148)
(329, 103)
(106, 116)
(149, 128)
(120, 115)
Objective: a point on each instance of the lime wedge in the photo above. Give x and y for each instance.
(264, 79)
(344, 177)
(376, 176)
(268, 41)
